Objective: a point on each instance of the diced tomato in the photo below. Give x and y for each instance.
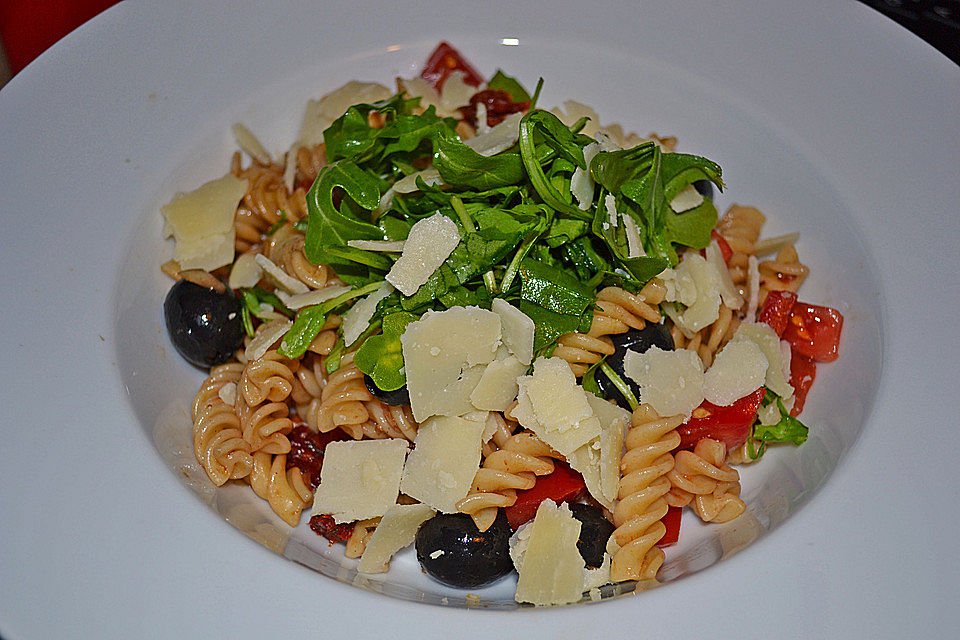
(814, 331)
(445, 60)
(730, 425)
(672, 522)
(723, 244)
(802, 373)
(776, 310)
(563, 485)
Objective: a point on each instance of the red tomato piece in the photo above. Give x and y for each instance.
(672, 522)
(803, 371)
(563, 485)
(730, 425)
(776, 310)
(723, 244)
(814, 331)
(445, 60)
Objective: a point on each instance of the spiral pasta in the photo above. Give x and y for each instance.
(514, 465)
(740, 226)
(617, 311)
(217, 436)
(641, 505)
(702, 479)
(284, 489)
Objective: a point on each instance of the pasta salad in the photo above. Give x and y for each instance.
(505, 335)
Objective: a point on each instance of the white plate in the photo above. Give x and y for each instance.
(826, 115)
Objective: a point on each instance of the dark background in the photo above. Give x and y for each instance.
(29, 27)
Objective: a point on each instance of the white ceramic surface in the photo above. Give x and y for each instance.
(828, 116)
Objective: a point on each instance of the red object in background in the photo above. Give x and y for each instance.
(30, 27)
(445, 60)
(730, 425)
(563, 485)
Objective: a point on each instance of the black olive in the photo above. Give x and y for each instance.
(595, 530)
(398, 398)
(452, 550)
(704, 188)
(204, 325)
(638, 340)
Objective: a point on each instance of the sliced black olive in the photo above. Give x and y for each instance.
(638, 340)
(595, 530)
(452, 550)
(204, 325)
(704, 188)
(397, 398)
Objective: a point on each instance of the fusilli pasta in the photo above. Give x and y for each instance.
(702, 479)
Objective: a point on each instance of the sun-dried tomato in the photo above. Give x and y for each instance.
(306, 451)
(323, 525)
(498, 104)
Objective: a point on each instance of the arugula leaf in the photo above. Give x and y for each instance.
(502, 82)
(311, 319)
(381, 357)
(553, 288)
(460, 165)
(788, 429)
(548, 325)
(544, 121)
(330, 226)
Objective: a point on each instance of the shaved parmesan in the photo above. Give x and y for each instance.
(441, 352)
(614, 421)
(553, 406)
(201, 223)
(634, 246)
(249, 143)
(550, 567)
(279, 277)
(444, 461)
(455, 93)
(738, 369)
(429, 243)
(245, 272)
(387, 246)
(267, 336)
(688, 198)
(311, 298)
(777, 377)
(753, 288)
(321, 113)
(359, 479)
(670, 381)
(706, 309)
(497, 388)
(518, 329)
(581, 182)
(408, 184)
(728, 291)
(499, 138)
(610, 203)
(397, 529)
(357, 318)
